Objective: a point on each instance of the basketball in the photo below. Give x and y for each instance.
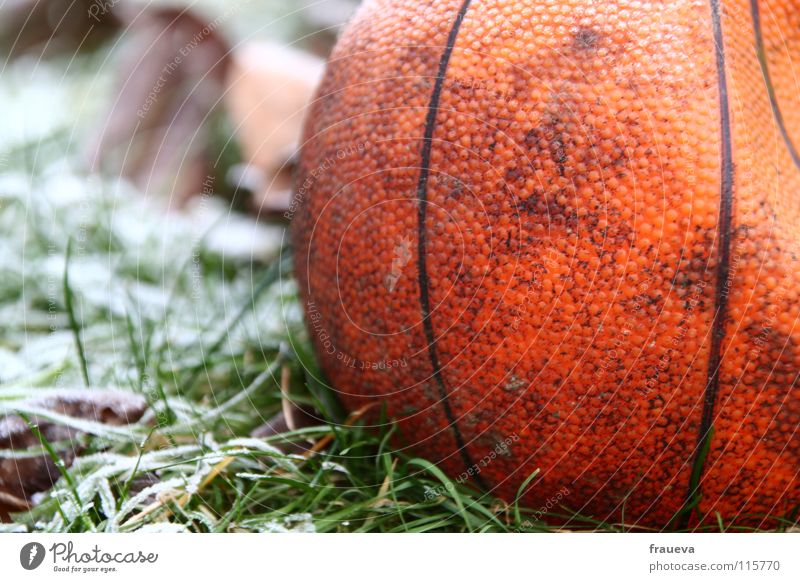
(554, 240)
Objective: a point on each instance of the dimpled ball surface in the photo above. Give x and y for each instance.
(561, 235)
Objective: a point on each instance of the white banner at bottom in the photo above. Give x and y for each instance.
(402, 557)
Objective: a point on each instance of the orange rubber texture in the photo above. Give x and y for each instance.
(558, 236)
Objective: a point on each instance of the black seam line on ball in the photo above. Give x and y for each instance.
(773, 100)
(723, 257)
(422, 197)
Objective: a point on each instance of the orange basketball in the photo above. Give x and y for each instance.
(557, 235)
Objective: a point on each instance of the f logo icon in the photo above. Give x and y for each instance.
(31, 555)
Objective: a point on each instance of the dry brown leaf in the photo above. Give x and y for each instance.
(20, 478)
(157, 131)
(269, 89)
(46, 28)
(278, 425)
